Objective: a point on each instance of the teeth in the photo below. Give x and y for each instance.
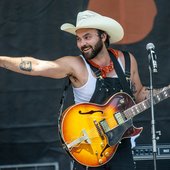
(86, 49)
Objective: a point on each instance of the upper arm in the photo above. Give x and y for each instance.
(59, 68)
(140, 92)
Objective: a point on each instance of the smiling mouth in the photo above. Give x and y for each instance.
(86, 49)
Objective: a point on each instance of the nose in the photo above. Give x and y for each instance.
(82, 43)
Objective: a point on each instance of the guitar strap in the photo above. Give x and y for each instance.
(124, 78)
(62, 101)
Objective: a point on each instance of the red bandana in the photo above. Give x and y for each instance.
(105, 69)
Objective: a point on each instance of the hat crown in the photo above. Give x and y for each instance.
(91, 19)
(85, 15)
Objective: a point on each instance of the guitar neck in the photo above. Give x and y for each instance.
(144, 105)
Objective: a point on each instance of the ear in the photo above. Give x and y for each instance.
(104, 36)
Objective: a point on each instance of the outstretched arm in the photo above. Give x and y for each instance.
(59, 68)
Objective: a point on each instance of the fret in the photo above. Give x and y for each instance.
(161, 96)
(134, 110)
(142, 106)
(147, 103)
(127, 113)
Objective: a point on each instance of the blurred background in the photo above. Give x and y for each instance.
(30, 105)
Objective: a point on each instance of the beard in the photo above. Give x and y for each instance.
(95, 50)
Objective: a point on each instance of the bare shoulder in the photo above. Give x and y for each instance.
(76, 69)
(122, 58)
(69, 62)
(132, 57)
(132, 60)
(68, 59)
(120, 53)
(134, 66)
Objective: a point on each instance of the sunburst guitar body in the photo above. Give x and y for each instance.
(91, 133)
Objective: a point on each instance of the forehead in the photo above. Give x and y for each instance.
(84, 31)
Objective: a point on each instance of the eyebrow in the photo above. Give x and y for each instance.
(84, 35)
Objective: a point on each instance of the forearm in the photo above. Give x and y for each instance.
(58, 68)
(145, 93)
(24, 65)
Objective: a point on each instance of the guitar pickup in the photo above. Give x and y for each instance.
(104, 125)
(120, 118)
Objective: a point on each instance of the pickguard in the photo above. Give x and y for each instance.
(115, 135)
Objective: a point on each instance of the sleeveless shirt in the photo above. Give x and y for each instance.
(84, 93)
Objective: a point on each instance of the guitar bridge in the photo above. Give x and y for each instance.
(99, 129)
(79, 140)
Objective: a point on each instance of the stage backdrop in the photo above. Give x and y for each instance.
(30, 105)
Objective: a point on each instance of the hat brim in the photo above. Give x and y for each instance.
(109, 25)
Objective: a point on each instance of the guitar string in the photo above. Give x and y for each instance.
(94, 130)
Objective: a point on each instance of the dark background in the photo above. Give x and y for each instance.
(30, 105)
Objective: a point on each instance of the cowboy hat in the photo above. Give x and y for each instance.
(90, 19)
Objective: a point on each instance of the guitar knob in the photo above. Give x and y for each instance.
(100, 161)
(122, 101)
(106, 154)
(102, 145)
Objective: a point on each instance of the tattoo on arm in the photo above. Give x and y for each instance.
(25, 65)
(142, 94)
(133, 88)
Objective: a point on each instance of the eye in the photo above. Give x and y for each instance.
(88, 37)
(78, 39)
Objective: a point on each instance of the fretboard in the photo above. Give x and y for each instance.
(144, 105)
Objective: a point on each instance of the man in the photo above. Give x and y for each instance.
(94, 72)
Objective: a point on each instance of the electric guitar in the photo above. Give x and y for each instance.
(91, 133)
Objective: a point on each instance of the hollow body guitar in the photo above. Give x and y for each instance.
(91, 133)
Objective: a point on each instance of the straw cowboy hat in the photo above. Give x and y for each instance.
(90, 19)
